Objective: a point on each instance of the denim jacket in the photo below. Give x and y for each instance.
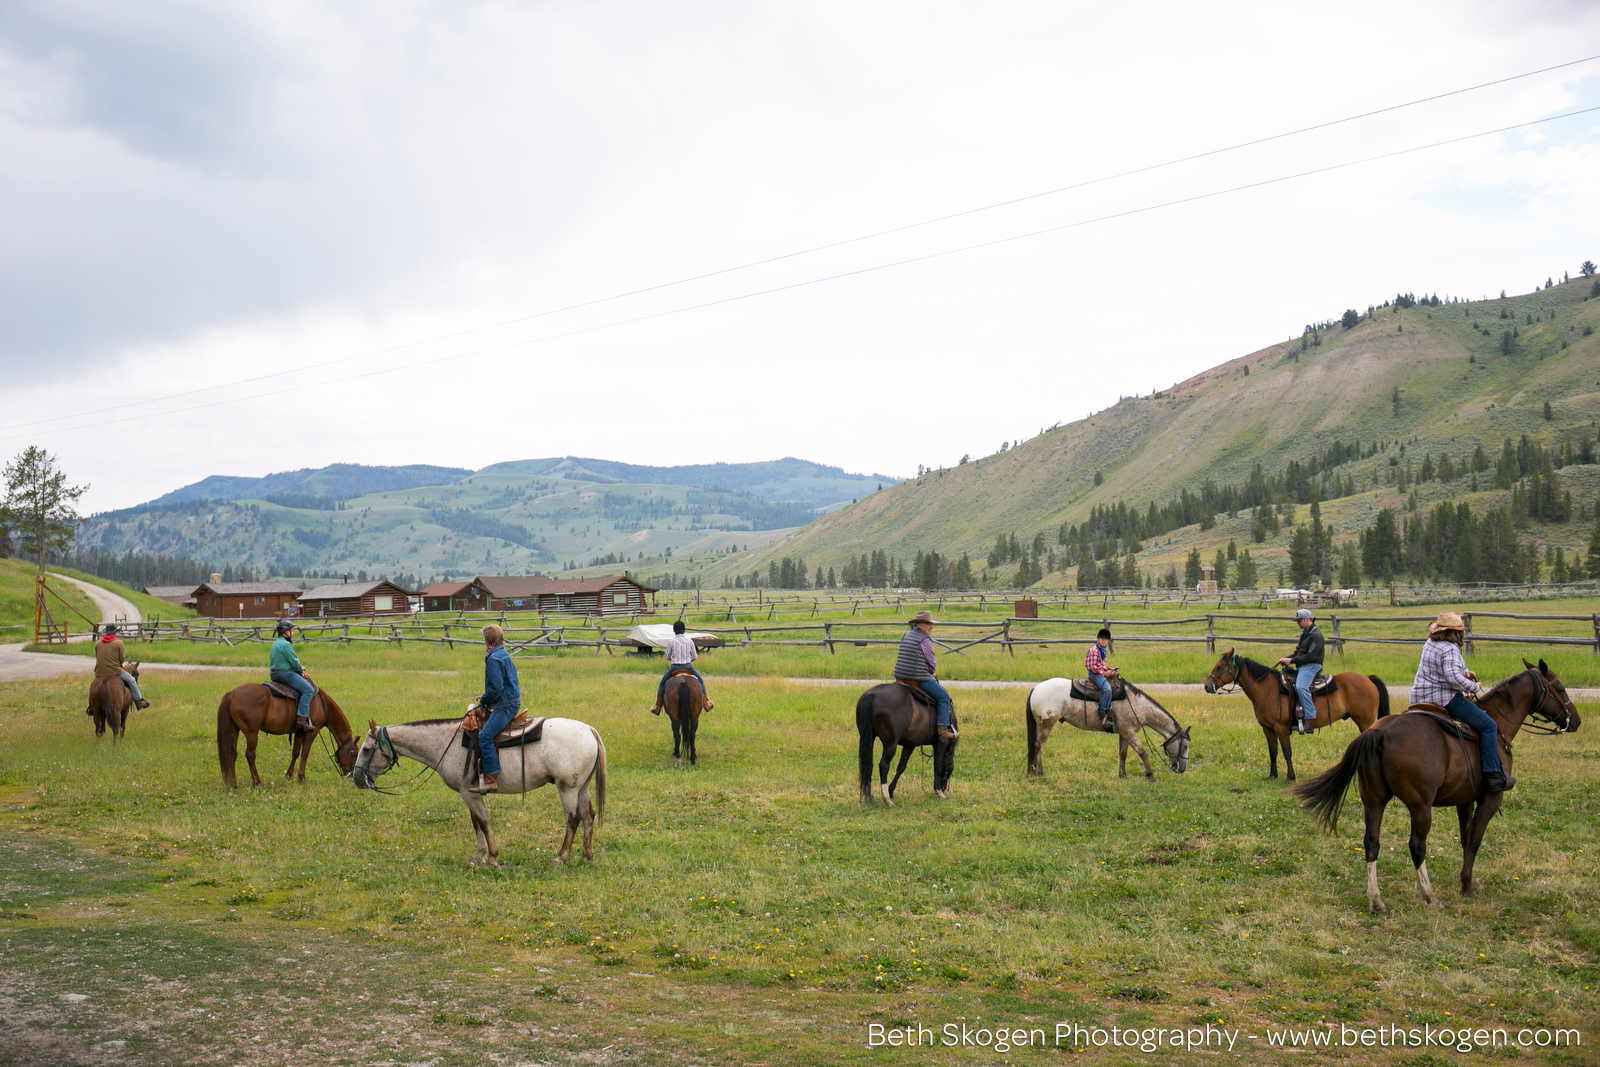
(500, 688)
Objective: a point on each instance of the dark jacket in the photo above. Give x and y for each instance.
(500, 688)
(109, 658)
(1309, 650)
(912, 661)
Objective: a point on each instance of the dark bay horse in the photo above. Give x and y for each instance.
(111, 702)
(1361, 698)
(1412, 757)
(684, 701)
(889, 713)
(255, 709)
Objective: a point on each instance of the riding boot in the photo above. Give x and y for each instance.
(1498, 782)
(709, 705)
(303, 725)
(490, 784)
(655, 709)
(141, 703)
(948, 733)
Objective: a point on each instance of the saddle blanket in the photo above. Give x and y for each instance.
(281, 690)
(1084, 689)
(519, 731)
(1321, 685)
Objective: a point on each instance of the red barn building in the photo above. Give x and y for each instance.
(451, 596)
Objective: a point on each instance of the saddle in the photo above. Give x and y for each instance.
(517, 731)
(680, 674)
(1453, 727)
(917, 694)
(279, 689)
(1321, 685)
(1084, 689)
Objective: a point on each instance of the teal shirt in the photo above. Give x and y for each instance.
(283, 657)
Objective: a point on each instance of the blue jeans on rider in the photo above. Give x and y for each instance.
(497, 721)
(661, 690)
(1302, 685)
(299, 685)
(133, 686)
(1488, 733)
(932, 687)
(1105, 690)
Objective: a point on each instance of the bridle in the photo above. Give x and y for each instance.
(1538, 714)
(362, 771)
(1233, 666)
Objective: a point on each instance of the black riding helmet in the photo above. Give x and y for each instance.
(283, 627)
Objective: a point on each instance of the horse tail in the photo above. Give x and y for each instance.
(1324, 794)
(1383, 695)
(227, 735)
(1033, 728)
(685, 702)
(864, 713)
(599, 775)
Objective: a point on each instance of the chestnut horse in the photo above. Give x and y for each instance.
(891, 714)
(1412, 757)
(1361, 698)
(684, 701)
(111, 702)
(255, 709)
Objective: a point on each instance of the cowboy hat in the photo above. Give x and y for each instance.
(1447, 620)
(924, 616)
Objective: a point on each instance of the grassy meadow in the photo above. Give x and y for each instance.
(16, 602)
(748, 910)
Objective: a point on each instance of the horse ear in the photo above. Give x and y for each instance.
(373, 725)
(1528, 665)
(1187, 732)
(1542, 668)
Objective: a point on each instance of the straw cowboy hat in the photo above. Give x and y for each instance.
(1447, 620)
(924, 616)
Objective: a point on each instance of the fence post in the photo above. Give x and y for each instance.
(1596, 618)
(1211, 633)
(600, 643)
(1338, 645)
(1005, 642)
(1466, 617)
(828, 634)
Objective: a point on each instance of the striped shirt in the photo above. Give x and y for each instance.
(680, 649)
(1094, 661)
(1441, 674)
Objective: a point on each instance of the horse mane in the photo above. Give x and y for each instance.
(1153, 702)
(335, 710)
(1257, 671)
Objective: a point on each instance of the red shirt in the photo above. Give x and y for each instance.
(1095, 660)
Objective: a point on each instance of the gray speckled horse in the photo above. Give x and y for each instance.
(1051, 702)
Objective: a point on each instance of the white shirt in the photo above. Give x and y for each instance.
(680, 649)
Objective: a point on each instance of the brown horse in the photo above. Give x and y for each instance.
(1361, 698)
(684, 701)
(1412, 757)
(889, 713)
(255, 709)
(111, 702)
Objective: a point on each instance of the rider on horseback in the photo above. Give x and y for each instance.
(1307, 661)
(1094, 661)
(284, 667)
(681, 654)
(502, 697)
(916, 663)
(109, 657)
(1443, 679)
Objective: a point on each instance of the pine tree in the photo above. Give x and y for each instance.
(1244, 576)
(1592, 564)
(1192, 574)
(1219, 567)
(1349, 566)
(1302, 557)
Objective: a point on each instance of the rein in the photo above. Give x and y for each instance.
(386, 746)
(1233, 665)
(1537, 712)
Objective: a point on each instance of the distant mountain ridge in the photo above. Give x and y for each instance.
(336, 480)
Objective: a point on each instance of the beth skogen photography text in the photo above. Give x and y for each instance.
(545, 534)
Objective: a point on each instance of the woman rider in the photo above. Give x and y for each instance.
(1443, 679)
(502, 697)
(285, 669)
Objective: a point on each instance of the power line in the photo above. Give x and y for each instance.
(844, 242)
(927, 257)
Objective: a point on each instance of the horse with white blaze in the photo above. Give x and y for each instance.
(566, 753)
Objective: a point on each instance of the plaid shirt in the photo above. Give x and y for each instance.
(1441, 674)
(1094, 661)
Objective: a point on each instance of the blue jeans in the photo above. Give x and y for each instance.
(661, 690)
(1302, 685)
(1488, 733)
(932, 687)
(299, 685)
(1105, 690)
(498, 720)
(133, 686)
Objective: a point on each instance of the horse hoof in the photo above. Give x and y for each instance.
(940, 794)
(1472, 888)
(678, 763)
(1149, 777)
(1377, 908)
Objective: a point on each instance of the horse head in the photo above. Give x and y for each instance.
(376, 756)
(1177, 750)
(1225, 673)
(1552, 703)
(133, 669)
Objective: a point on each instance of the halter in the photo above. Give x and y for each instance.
(1539, 714)
(363, 766)
(1233, 665)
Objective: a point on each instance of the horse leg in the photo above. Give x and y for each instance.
(693, 728)
(1472, 837)
(1288, 756)
(586, 813)
(883, 774)
(1130, 738)
(305, 752)
(677, 743)
(250, 738)
(479, 812)
(1272, 750)
(569, 804)
(905, 758)
(1370, 847)
(294, 753)
(1421, 821)
(1038, 749)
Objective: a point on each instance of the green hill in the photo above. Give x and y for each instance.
(1435, 380)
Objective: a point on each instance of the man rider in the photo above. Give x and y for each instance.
(681, 654)
(286, 670)
(502, 697)
(915, 662)
(109, 658)
(1443, 679)
(1307, 661)
(1094, 661)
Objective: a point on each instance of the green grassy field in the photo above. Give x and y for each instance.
(748, 910)
(16, 601)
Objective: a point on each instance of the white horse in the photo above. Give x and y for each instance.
(1051, 702)
(569, 753)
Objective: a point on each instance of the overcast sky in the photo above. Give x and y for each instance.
(378, 212)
